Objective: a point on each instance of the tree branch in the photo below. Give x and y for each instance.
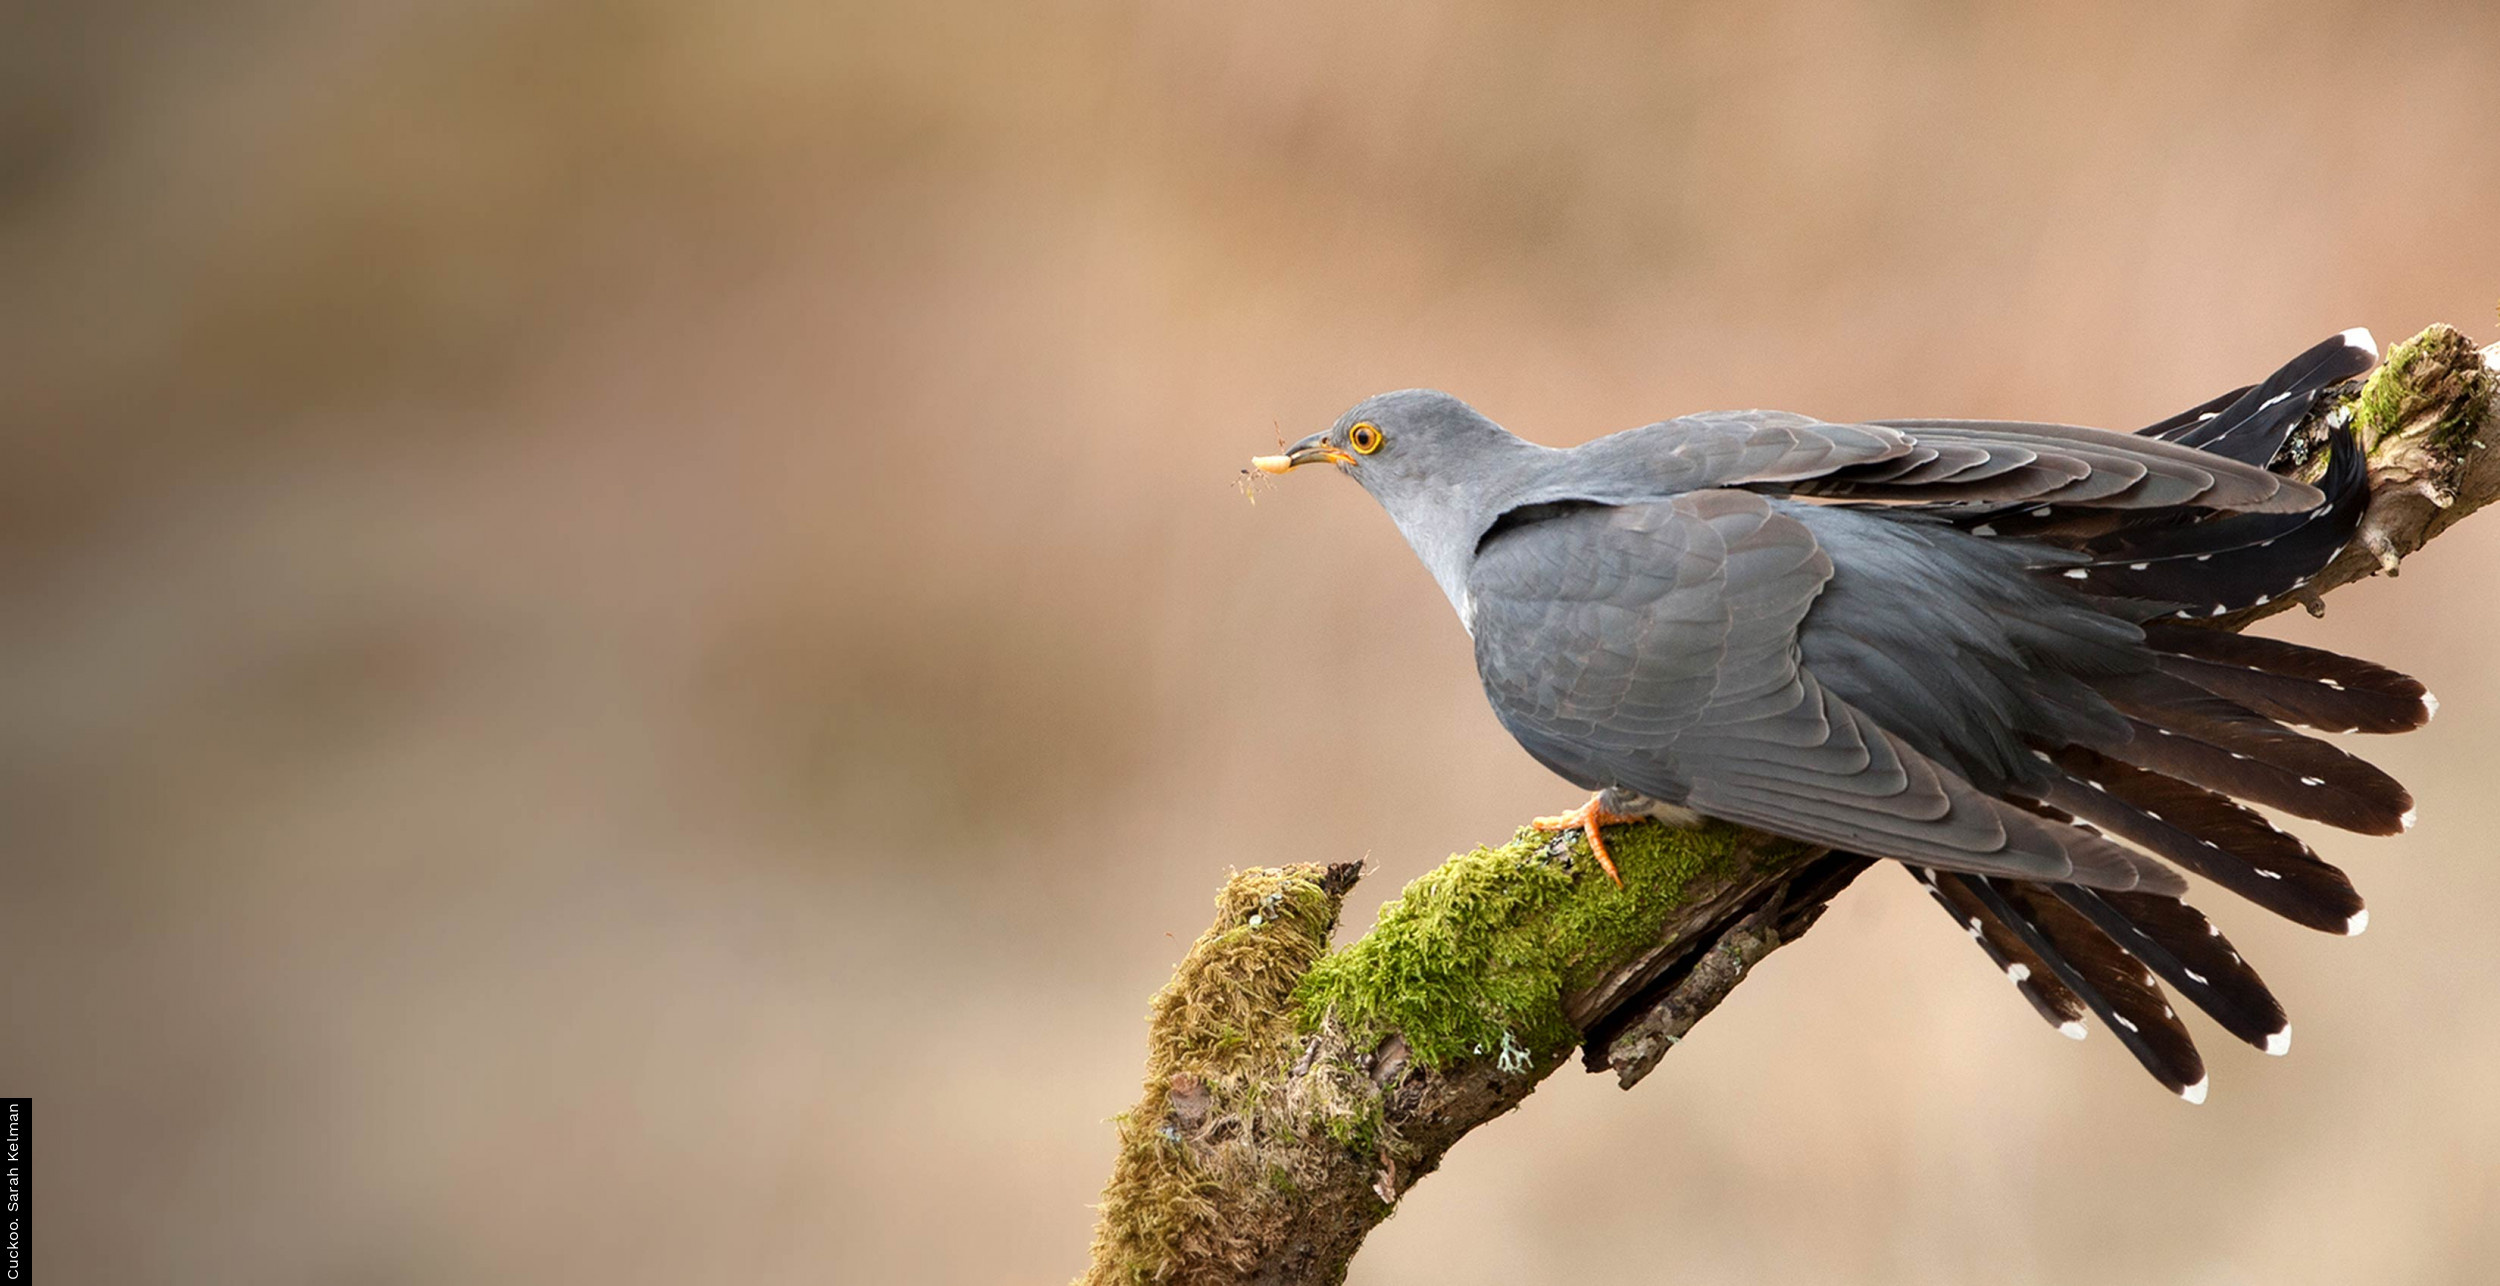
(1294, 1094)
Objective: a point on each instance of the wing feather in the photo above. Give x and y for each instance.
(1653, 647)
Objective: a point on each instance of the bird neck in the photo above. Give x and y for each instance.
(1444, 516)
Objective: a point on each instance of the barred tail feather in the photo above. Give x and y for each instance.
(2176, 941)
(2209, 835)
(2249, 424)
(2184, 731)
(2025, 967)
(2223, 564)
(2293, 684)
(2103, 975)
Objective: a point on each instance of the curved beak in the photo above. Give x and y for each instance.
(1311, 450)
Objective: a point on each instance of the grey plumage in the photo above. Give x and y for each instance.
(1927, 640)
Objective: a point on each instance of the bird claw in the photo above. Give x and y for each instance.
(1590, 819)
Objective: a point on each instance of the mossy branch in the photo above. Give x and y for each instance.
(1294, 1094)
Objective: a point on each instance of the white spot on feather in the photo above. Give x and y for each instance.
(2126, 1022)
(2073, 1029)
(2196, 1093)
(2430, 705)
(2200, 978)
(2137, 567)
(2360, 920)
(2312, 781)
(2077, 574)
(2280, 1043)
(2406, 821)
(2361, 338)
(2019, 972)
(1983, 529)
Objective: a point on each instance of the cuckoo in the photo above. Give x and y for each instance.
(1970, 646)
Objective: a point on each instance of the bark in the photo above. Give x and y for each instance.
(1295, 1094)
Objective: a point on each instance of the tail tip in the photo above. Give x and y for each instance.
(2196, 1093)
(2280, 1043)
(2360, 337)
(2360, 920)
(2073, 1029)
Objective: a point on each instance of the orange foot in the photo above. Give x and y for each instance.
(1589, 820)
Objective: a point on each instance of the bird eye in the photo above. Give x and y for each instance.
(1364, 438)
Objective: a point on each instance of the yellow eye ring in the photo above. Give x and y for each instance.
(1365, 438)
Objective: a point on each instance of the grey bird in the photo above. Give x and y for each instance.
(1959, 644)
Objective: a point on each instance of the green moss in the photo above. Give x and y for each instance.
(2380, 406)
(1219, 1031)
(1217, 1016)
(1356, 1127)
(2436, 372)
(1475, 957)
(1472, 960)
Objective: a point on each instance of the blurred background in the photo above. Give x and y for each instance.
(630, 643)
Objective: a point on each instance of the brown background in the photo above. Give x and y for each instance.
(629, 643)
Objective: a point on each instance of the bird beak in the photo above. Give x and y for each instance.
(1311, 450)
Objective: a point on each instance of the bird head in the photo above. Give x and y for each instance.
(1438, 467)
(1397, 443)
